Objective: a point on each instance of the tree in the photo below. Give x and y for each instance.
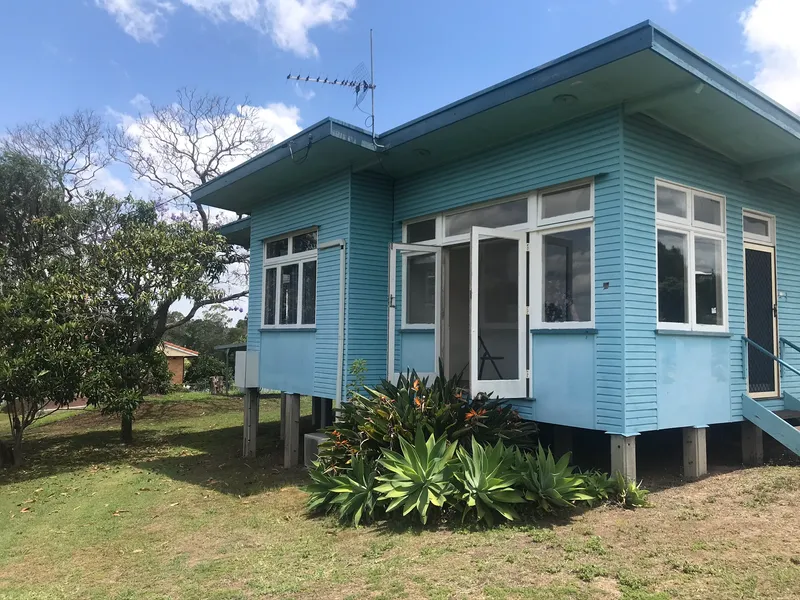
(182, 145)
(141, 271)
(203, 334)
(204, 367)
(45, 306)
(73, 149)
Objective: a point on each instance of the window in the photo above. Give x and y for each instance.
(565, 203)
(420, 289)
(690, 258)
(567, 276)
(290, 281)
(421, 231)
(758, 228)
(494, 215)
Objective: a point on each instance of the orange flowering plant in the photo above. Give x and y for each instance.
(377, 418)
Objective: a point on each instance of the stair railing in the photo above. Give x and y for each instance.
(783, 343)
(746, 341)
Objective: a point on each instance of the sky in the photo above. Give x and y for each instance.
(114, 56)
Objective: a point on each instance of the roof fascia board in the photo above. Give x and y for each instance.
(608, 50)
(234, 226)
(720, 79)
(315, 133)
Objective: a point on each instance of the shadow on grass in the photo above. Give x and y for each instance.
(210, 458)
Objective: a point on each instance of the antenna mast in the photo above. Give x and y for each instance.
(357, 82)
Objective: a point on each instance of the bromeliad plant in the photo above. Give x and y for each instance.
(379, 418)
(419, 477)
(487, 481)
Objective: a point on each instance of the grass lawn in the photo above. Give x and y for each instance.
(180, 515)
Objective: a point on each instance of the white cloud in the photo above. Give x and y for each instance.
(304, 93)
(770, 31)
(140, 102)
(287, 22)
(140, 19)
(672, 5)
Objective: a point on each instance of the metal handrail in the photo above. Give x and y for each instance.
(791, 345)
(746, 340)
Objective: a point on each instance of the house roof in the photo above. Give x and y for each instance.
(173, 350)
(643, 68)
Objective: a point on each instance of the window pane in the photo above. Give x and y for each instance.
(568, 276)
(673, 302)
(309, 293)
(565, 202)
(304, 242)
(708, 210)
(288, 302)
(498, 309)
(270, 280)
(278, 248)
(708, 280)
(671, 201)
(496, 215)
(756, 226)
(421, 289)
(421, 232)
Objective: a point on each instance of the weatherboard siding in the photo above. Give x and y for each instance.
(368, 273)
(674, 383)
(324, 205)
(589, 146)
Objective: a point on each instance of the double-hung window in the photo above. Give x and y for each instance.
(691, 262)
(290, 281)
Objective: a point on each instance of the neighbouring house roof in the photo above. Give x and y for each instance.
(644, 69)
(175, 351)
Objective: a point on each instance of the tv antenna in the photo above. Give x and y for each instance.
(360, 81)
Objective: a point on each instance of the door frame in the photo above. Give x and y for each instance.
(392, 327)
(770, 249)
(511, 388)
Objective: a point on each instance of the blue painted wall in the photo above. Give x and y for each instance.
(368, 272)
(657, 395)
(325, 205)
(286, 361)
(564, 379)
(590, 146)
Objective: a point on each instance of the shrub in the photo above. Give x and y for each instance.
(427, 478)
(379, 418)
(202, 368)
(419, 477)
(549, 484)
(487, 481)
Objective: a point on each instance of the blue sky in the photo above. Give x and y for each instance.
(101, 53)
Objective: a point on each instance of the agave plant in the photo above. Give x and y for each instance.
(550, 484)
(629, 493)
(353, 493)
(599, 486)
(419, 477)
(487, 482)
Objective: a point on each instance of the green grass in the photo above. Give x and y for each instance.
(181, 515)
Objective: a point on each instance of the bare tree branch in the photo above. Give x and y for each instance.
(187, 143)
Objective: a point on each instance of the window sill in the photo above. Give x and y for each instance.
(565, 330)
(295, 329)
(689, 333)
(418, 329)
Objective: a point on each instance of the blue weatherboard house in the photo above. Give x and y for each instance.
(610, 240)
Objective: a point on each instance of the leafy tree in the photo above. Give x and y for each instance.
(142, 270)
(204, 333)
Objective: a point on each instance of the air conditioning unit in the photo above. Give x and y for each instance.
(311, 443)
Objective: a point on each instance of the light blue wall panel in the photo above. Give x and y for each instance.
(650, 151)
(694, 378)
(416, 351)
(325, 205)
(287, 361)
(564, 379)
(368, 272)
(589, 146)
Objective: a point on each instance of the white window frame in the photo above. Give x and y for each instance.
(692, 229)
(537, 228)
(279, 263)
(755, 238)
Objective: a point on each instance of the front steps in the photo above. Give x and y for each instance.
(773, 423)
